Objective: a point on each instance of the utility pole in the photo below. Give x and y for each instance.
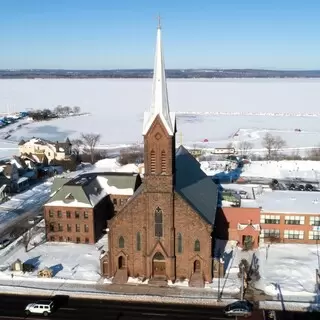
(318, 288)
(219, 297)
(242, 282)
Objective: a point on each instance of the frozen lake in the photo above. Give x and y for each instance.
(117, 106)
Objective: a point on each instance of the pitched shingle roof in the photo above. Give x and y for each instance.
(195, 186)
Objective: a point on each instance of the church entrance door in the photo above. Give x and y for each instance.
(158, 265)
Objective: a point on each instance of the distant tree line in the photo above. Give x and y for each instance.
(57, 112)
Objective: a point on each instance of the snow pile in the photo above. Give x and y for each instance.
(289, 270)
(112, 189)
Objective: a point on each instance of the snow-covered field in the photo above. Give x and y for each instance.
(67, 261)
(289, 270)
(118, 116)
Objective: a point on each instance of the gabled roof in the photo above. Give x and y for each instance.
(87, 190)
(194, 186)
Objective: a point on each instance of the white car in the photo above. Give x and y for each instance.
(44, 307)
(242, 308)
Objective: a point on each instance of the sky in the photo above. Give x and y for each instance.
(117, 34)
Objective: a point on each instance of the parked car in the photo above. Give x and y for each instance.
(4, 243)
(241, 308)
(44, 307)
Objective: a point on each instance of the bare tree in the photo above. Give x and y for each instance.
(314, 153)
(279, 143)
(268, 142)
(77, 144)
(76, 109)
(245, 147)
(90, 141)
(131, 155)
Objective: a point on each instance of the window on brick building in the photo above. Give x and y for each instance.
(158, 221)
(68, 214)
(86, 215)
(121, 242)
(163, 162)
(152, 162)
(293, 234)
(314, 221)
(52, 238)
(314, 235)
(138, 241)
(179, 243)
(197, 245)
(270, 219)
(51, 227)
(61, 239)
(86, 228)
(69, 228)
(77, 227)
(60, 227)
(115, 202)
(270, 233)
(294, 220)
(86, 240)
(69, 239)
(77, 215)
(59, 214)
(78, 240)
(51, 214)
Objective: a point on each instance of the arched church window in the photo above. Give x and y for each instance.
(197, 245)
(121, 242)
(138, 241)
(179, 243)
(152, 162)
(158, 221)
(163, 162)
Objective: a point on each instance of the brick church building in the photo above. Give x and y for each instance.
(164, 232)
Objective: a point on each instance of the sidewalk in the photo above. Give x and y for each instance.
(128, 292)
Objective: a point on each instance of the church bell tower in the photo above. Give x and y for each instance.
(159, 130)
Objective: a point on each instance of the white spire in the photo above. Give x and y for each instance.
(160, 103)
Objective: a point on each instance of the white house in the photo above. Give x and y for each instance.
(40, 148)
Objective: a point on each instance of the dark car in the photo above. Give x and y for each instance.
(241, 308)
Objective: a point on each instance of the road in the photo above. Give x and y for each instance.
(12, 307)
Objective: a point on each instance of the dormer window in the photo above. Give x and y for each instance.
(69, 197)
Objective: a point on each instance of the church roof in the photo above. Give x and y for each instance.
(195, 186)
(160, 102)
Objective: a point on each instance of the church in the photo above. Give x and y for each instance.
(165, 230)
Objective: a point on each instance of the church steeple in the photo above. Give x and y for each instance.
(160, 103)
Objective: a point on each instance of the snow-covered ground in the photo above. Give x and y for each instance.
(289, 270)
(68, 261)
(118, 116)
(293, 169)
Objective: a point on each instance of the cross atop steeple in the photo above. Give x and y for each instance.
(160, 103)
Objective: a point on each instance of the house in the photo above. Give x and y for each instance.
(164, 231)
(79, 208)
(46, 151)
(9, 175)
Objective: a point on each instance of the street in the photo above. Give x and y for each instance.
(12, 307)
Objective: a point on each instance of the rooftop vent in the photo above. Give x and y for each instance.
(315, 201)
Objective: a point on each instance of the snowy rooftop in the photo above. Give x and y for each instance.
(288, 202)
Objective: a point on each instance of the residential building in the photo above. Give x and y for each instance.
(164, 231)
(79, 208)
(46, 150)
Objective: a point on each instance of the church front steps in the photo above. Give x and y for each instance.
(197, 280)
(158, 281)
(121, 276)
